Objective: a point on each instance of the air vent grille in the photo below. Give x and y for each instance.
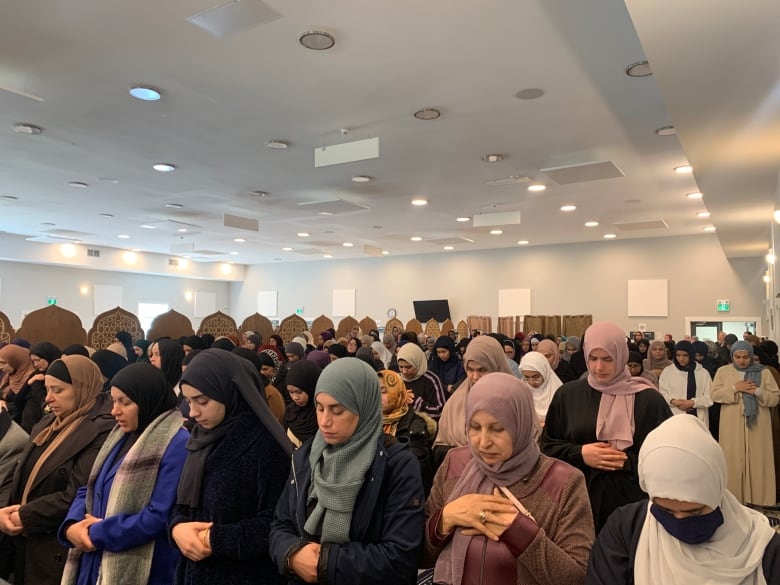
(173, 262)
(92, 253)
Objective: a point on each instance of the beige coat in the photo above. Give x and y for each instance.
(749, 453)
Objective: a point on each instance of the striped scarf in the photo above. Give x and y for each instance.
(130, 493)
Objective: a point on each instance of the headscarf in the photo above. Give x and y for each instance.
(277, 339)
(510, 343)
(234, 382)
(338, 471)
(319, 357)
(365, 354)
(543, 395)
(550, 346)
(450, 371)
(338, 350)
(680, 460)
(615, 419)
(651, 363)
(21, 342)
(194, 342)
(207, 339)
(147, 387)
(127, 342)
(509, 401)
(302, 420)
(752, 374)
(109, 363)
(326, 336)
(245, 353)
(634, 357)
(45, 350)
(270, 358)
(224, 343)
(411, 353)
(384, 354)
(701, 348)
(18, 358)
(687, 347)
(171, 356)
(118, 349)
(489, 354)
(143, 345)
(76, 349)
(273, 351)
(398, 399)
(294, 348)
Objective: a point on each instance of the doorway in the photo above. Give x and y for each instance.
(709, 329)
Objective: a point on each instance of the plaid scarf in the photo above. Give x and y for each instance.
(130, 493)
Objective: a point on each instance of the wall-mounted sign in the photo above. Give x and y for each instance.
(724, 306)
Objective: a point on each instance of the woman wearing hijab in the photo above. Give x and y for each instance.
(76, 349)
(126, 340)
(54, 464)
(657, 358)
(13, 440)
(637, 369)
(271, 366)
(543, 381)
(116, 526)
(576, 356)
(499, 510)
(29, 401)
(140, 346)
(109, 363)
(382, 354)
(746, 392)
(276, 402)
(484, 355)
(352, 509)
(549, 349)
(692, 530)
(446, 363)
(16, 368)
(319, 357)
(192, 342)
(428, 393)
(353, 344)
(167, 355)
(300, 417)
(687, 386)
(237, 465)
(391, 344)
(598, 423)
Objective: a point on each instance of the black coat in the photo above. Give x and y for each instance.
(242, 479)
(38, 558)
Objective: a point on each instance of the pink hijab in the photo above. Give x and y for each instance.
(615, 419)
(550, 346)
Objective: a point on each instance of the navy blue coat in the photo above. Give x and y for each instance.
(388, 522)
(242, 479)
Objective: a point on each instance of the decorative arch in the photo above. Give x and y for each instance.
(345, 326)
(319, 325)
(432, 328)
(259, 324)
(463, 330)
(394, 322)
(414, 325)
(218, 324)
(7, 332)
(171, 324)
(446, 327)
(106, 325)
(292, 326)
(54, 324)
(367, 324)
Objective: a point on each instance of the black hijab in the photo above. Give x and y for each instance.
(687, 347)
(194, 342)
(252, 356)
(223, 343)
(46, 350)
(109, 363)
(302, 420)
(127, 340)
(147, 387)
(234, 382)
(76, 349)
(171, 356)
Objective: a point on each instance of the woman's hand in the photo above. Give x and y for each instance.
(745, 386)
(485, 514)
(10, 522)
(36, 378)
(304, 562)
(186, 535)
(685, 405)
(78, 533)
(602, 456)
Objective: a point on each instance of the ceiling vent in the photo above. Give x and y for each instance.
(241, 223)
(233, 16)
(92, 253)
(173, 261)
(593, 171)
(451, 241)
(635, 226)
(332, 207)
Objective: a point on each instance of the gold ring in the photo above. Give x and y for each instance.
(483, 516)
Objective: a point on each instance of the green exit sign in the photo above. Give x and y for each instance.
(51, 301)
(724, 306)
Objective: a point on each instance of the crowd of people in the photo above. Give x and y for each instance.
(390, 459)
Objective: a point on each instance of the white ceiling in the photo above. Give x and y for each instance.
(223, 98)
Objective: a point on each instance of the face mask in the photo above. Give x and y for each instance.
(690, 530)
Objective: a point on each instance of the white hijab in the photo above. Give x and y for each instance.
(384, 354)
(543, 395)
(680, 460)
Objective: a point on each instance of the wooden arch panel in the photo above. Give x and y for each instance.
(292, 326)
(367, 324)
(7, 332)
(107, 324)
(218, 324)
(259, 324)
(463, 330)
(394, 322)
(54, 324)
(414, 325)
(345, 326)
(319, 325)
(170, 324)
(447, 326)
(432, 328)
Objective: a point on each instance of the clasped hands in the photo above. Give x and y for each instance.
(746, 386)
(78, 533)
(489, 515)
(10, 522)
(684, 405)
(187, 536)
(603, 457)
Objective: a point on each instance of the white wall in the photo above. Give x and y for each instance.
(564, 279)
(26, 287)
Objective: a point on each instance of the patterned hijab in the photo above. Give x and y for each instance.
(398, 399)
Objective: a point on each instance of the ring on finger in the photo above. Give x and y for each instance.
(483, 516)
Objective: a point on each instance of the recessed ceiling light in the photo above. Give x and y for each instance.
(276, 144)
(287, 249)
(537, 187)
(385, 252)
(147, 94)
(427, 114)
(419, 202)
(591, 223)
(68, 250)
(233, 253)
(164, 167)
(609, 236)
(326, 213)
(317, 40)
(78, 185)
(146, 226)
(258, 194)
(683, 169)
(123, 236)
(303, 234)
(239, 240)
(449, 247)
(9, 197)
(530, 93)
(522, 243)
(703, 214)
(30, 129)
(174, 205)
(327, 255)
(416, 239)
(696, 195)
(225, 268)
(463, 219)
(639, 69)
(361, 179)
(107, 215)
(496, 232)
(348, 244)
(491, 158)
(709, 228)
(666, 131)
(129, 257)
(181, 230)
(568, 208)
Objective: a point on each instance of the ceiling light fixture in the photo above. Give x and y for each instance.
(348, 244)
(537, 187)
(609, 236)
(385, 252)
(174, 205)
(427, 114)
(522, 243)
(164, 167)
(591, 224)
(78, 185)
(666, 131)
(776, 215)
(146, 94)
(683, 169)
(276, 144)
(123, 236)
(449, 247)
(703, 214)
(239, 240)
(303, 234)
(361, 179)
(287, 249)
(463, 219)
(182, 264)
(182, 230)
(327, 256)
(419, 202)
(530, 93)
(639, 69)
(709, 228)
(233, 253)
(68, 250)
(770, 258)
(317, 40)
(695, 195)
(258, 194)
(225, 268)
(568, 208)
(416, 239)
(766, 278)
(29, 129)
(491, 158)
(146, 226)
(129, 257)
(496, 232)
